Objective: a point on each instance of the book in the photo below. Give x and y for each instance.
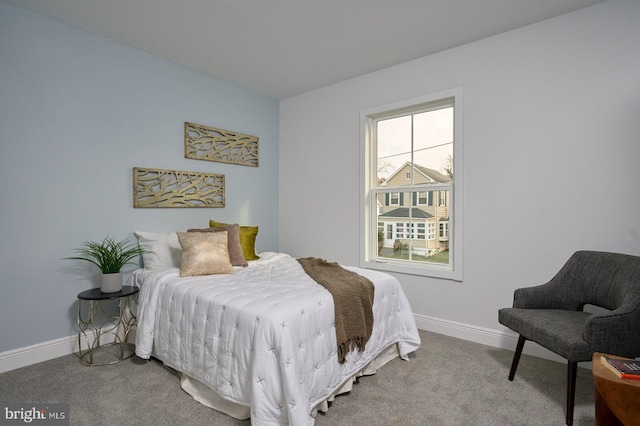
(623, 368)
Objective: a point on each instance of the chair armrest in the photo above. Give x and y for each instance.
(615, 332)
(545, 296)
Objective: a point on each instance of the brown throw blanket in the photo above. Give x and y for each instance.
(353, 299)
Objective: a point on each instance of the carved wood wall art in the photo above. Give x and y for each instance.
(224, 146)
(173, 188)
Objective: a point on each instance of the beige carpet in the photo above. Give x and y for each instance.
(447, 382)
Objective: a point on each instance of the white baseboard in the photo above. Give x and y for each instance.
(486, 336)
(21, 357)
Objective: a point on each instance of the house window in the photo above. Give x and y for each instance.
(411, 149)
(419, 233)
(431, 235)
(442, 198)
(444, 231)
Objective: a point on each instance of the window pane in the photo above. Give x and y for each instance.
(393, 146)
(433, 140)
(422, 198)
(394, 198)
(424, 139)
(418, 232)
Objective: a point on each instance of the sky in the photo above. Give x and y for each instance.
(432, 141)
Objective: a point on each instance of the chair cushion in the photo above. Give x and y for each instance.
(558, 330)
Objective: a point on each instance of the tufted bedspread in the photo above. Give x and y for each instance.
(264, 336)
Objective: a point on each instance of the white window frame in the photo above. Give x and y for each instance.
(442, 198)
(431, 232)
(368, 209)
(443, 231)
(400, 231)
(419, 231)
(426, 198)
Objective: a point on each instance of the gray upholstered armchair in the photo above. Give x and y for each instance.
(552, 314)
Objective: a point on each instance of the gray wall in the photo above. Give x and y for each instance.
(551, 151)
(77, 112)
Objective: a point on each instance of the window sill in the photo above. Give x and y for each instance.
(432, 270)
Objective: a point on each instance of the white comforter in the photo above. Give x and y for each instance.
(263, 336)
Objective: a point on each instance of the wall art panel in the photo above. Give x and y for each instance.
(173, 188)
(224, 146)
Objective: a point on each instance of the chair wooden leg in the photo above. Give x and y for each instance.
(572, 370)
(516, 357)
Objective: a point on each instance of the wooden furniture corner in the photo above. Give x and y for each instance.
(617, 401)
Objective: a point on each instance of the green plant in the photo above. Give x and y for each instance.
(398, 245)
(110, 255)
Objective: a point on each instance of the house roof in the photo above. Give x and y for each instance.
(404, 212)
(433, 174)
(427, 172)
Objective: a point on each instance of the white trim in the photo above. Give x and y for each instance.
(22, 357)
(368, 245)
(486, 336)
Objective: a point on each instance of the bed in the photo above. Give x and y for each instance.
(260, 342)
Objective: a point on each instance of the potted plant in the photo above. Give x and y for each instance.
(110, 256)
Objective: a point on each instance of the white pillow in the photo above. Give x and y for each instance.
(162, 250)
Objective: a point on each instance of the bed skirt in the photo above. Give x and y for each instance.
(211, 399)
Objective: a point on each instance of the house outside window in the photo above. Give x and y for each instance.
(411, 187)
(444, 231)
(442, 198)
(431, 235)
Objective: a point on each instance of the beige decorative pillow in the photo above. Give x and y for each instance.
(233, 242)
(204, 253)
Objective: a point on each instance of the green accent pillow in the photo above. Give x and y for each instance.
(248, 236)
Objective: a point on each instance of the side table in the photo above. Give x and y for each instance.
(617, 400)
(100, 325)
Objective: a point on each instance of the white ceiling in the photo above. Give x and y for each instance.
(282, 48)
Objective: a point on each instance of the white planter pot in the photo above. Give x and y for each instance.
(111, 283)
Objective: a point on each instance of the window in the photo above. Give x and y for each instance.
(411, 186)
(419, 231)
(444, 231)
(442, 198)
(432, 231)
